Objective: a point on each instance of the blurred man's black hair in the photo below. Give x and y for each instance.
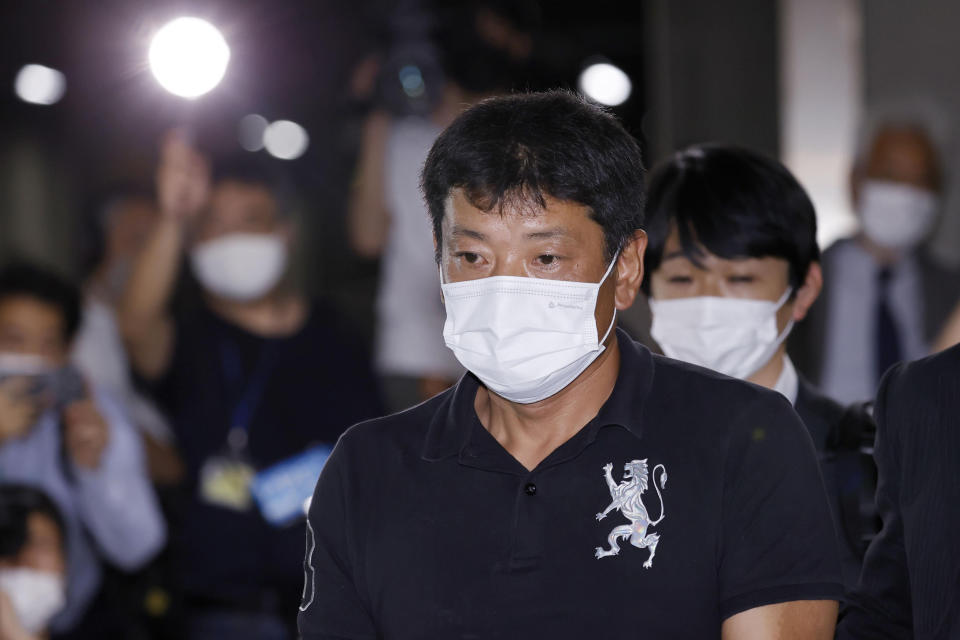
(98, 213)
(512, 152)
(17, 503)
(733, 202)
(258, 170)
(25, 279)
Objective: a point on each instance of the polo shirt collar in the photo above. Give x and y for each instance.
(455, 419)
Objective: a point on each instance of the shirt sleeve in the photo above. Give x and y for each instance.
(778, 541)
(880, 606)
(332, 607)
(117, 501)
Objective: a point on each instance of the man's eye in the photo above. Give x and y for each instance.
(741, 279)
(679, 279)
(546, 259)
(468, 257)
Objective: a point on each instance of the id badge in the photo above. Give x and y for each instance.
(282, 490)
(225, 482)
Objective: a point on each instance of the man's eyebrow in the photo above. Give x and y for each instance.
(458, 231)
(547, 233)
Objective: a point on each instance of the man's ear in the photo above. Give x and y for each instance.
(629, 271)
(808, 292)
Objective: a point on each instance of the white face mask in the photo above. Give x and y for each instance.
(734, 336)
(895, 215)
(240, 266)
(524, 338)
(37, 596)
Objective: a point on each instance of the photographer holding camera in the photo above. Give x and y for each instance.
(58, 434)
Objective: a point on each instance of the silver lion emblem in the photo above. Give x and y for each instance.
(627, 498)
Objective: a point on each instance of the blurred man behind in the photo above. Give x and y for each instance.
(732, 265)
(479, 46)
(256, 374)
(885, 299)
(60, 433)
(122, 226)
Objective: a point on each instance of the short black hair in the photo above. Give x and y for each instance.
(17, 503)
(29, 280)
(734, 202)
(518, 149)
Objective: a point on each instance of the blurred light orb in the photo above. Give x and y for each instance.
(188, 57)
(38, 84)
(251, 130)
(285, 139)
(411, 79)
(605, 83)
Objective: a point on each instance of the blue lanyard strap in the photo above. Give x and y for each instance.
(252, 393)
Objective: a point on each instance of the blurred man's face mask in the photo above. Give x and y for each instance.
(37, 596)
(734, 336)
(240, 266)
(896, 215)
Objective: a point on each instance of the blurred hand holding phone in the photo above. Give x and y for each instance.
(30, 385)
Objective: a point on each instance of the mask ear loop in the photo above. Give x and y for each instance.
(787, 329)
(783, 299)
(614, 318)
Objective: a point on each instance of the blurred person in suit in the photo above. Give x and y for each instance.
(910, 585)
(885, 298)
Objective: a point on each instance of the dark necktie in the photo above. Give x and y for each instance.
(888, 351)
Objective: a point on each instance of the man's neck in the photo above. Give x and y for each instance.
(277, 314)
(530, 432)
(770, 373)
(883, 256)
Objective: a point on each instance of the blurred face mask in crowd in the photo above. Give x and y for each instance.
(240, 266)
(895, 215)
(734, 336)
(36, 595)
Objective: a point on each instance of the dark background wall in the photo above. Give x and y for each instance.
(712, 73)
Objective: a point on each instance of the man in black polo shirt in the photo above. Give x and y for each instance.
(572, 485)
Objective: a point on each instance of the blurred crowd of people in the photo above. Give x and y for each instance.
(145, 411)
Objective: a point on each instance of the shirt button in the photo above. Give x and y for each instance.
(530, 489)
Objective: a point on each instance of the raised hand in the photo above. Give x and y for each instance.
(183, 178)
(86, 433)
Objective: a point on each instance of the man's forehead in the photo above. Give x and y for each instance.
(892, 142)
(556, 217)
(706, 259)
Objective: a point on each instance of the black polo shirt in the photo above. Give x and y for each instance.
(423, 526)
